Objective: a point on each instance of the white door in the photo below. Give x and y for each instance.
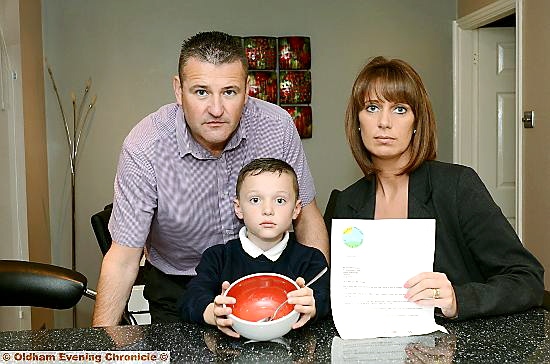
(13, 225)
(496, 140)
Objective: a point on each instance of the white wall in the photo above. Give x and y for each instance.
(130, 49)
(13, 225)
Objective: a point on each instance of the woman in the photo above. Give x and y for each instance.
(480, 266)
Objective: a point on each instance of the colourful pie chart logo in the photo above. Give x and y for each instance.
(352, 237)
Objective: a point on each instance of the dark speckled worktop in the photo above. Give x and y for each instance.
(518, 338)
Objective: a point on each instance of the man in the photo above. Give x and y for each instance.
(173, 192)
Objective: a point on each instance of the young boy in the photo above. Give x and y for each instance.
(267, 200)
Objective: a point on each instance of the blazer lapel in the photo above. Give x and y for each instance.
(420, 193)
(363, 204)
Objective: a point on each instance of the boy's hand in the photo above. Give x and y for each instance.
(303, 302)
(216, 314)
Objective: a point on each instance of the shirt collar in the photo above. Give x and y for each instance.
(254, 251)
(188, 145)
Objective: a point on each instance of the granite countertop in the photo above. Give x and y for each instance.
(518, 338)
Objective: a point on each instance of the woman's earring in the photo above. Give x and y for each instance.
(414, 131)
(359, 128)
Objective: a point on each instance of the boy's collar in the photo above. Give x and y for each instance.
(254, 251)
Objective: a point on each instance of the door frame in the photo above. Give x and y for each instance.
(465, 95)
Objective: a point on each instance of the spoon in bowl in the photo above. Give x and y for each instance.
(313, 280)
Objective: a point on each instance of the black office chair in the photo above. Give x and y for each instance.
(100, 222)
(24, 283)
(329, 210)
(100, 225)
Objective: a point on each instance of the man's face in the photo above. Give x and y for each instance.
(212, 98)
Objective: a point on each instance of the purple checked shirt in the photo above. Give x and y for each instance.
(176, 199)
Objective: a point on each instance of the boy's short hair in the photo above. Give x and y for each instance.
(261, 165)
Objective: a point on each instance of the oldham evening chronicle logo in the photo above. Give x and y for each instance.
(352, 237)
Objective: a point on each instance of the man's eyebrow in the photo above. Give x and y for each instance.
(231, 87)
(197, 86)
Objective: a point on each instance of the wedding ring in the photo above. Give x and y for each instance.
(436, 293)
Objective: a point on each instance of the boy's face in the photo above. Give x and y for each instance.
(267, 203)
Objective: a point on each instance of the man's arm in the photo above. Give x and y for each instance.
(118, 273)
(310, 228)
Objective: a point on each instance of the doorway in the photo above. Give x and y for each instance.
(487, 95)
(13, 211)
(496, 142)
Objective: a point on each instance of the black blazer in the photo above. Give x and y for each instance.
(475, 246)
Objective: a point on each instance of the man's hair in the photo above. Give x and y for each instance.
(395, 81)
(212, 47)
(262, 165)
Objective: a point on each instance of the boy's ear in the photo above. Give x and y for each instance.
(237, 207)
(297, 209)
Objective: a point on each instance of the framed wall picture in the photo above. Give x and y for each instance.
(302, 119)
(261, 52)
(263, 85)
(279, 72)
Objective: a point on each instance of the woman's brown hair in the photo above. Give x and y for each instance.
(395, 81)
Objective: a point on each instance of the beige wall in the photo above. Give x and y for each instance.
(465, 7)
(11, 152)
(25, 213)
(130, 50)
(536, 93)
(36, 161)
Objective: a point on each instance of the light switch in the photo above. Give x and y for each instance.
(528, 119)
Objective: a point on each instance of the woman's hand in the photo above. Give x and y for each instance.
(432, 289)
(303, 301)
(215, 314)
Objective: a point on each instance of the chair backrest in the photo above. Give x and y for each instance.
(329, 210)
(100, 225)
(100, 222)
(24, 283)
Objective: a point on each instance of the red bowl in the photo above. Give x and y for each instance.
(258, 295)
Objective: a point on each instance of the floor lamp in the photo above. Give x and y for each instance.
(73, 135)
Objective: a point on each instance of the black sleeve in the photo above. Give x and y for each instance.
(321, 288)
(204, 287)
(514, 277)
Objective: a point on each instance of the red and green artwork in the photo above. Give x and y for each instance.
(279, 72)
(261, 52)
(302, 119)
(295, 87)
(263, 85)
(294, 53)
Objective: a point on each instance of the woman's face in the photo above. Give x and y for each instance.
(387, 130)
